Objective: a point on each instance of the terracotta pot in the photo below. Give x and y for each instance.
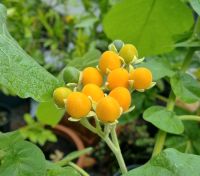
(67, 132)
(89, 138)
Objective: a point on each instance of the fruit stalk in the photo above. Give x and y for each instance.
(112, 144)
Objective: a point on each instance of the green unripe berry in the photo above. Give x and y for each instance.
(129, 53)
(71, 75)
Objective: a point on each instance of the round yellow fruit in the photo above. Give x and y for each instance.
(93, 91)
(123, 97)
(118, 78)
(59, 95)
(109, 61)
(78, 105)
(92, 75)
(128, 52)
(142, 78)
(108, 110)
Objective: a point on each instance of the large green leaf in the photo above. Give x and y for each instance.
(47, 113)
(160, 67)
(169, 163)
(21, 158)
(195, 5)
(19, 72)
(185, 87)
(152, 25)
(164, 119)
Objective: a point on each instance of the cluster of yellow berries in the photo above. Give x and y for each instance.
(106, 89)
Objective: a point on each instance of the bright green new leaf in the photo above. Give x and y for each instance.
(151, 25)
(47, 113)
(164, 119)
(21, 157)
(185, 87)
(195, 5)
(19, 72)
(76, 154)
(89, 59)
(160, 67)
(169, 163)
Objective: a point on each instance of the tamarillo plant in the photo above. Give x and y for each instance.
(104, 93)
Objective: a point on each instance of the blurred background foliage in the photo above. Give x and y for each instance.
(57, 33)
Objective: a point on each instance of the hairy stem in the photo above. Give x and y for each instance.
(189, 117)
(80, 170)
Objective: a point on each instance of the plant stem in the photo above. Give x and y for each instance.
(114, 136)
(112, 144)
(80, 170)
(188, 59)
(121, 162)
(2, 154)
(196, 29)
(161, 136)
(118, 153)
(189, 117)
(87, 125)
(160, 140)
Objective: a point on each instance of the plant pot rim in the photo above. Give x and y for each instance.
(75, 138)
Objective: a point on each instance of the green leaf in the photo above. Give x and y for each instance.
(195, 5)
(47, 113)
(55, 170)
(22, 158)
(169, 163)
(164, 119)
(150, 25)
(19, 72)
(9, 139)
(91, 58)
(160, 67)
(185, 87)
(28, 119)
(189, 141)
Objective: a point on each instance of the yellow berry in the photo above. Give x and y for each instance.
(142, 78)
(78, 105)
(118, 78)
(92, 75)
(108, 110)
(109, 61)
(128, 52)
(59, 95)
(123, 97)
(93, 91)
